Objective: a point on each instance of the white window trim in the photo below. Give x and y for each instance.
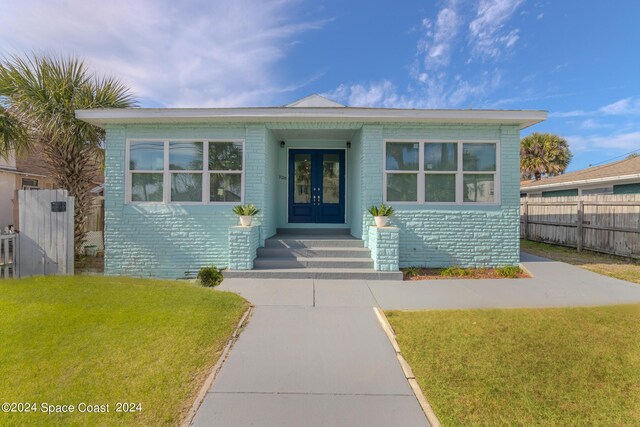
(166, 172)
(459, 173)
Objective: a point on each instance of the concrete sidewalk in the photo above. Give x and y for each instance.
(314, 353)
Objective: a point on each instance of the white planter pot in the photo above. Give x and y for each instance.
(381, 221)
(245, 220)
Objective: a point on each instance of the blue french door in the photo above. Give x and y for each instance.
(316, 186)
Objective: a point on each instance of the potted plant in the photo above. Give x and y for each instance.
(246, 213)
(381, 214)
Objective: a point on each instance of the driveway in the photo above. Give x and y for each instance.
(314, 353)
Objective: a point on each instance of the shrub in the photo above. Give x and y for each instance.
(508, 271)
(456, 271)
(246, 210)
(210, 276)
(382, 210)
(411, 271)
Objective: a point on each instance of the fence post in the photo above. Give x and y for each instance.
(525, 221)
(579, 230)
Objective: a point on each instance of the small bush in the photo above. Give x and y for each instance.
(508, 271)
(210, 276)
(246, 210)
(411, 271)
(456, 271)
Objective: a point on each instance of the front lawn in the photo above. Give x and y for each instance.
(559, 366)
(103, 340)
(610, 265)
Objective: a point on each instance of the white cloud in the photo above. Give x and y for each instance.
(433, 84)
(623, 107)
(201, 53)
(487, 31)
(613, 143)
(439, 37)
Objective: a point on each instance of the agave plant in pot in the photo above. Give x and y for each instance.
(381, 214)
(246, 213)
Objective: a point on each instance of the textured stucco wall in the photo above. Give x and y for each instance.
(174, 240)
(436, 236)
(243, 246)
(384, 245)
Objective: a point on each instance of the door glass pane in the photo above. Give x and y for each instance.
(440, 188)
(402, 187)
(331, 178)
(302, 178)
(146, 155)
(225, 187)
(440, 156)
(225, 156)
(146, 187)
(479, 157)
(185, 156)
(186, 187)
(478, 188)
(402, 156)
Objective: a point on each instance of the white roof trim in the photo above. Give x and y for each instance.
(635, 176)
(103, 117)
(314, 101)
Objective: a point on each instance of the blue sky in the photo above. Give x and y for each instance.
(577, 59)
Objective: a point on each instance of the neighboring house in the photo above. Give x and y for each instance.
(173, 176)
(622, 177)
(25, 172)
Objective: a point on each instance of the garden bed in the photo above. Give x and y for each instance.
(419, 273)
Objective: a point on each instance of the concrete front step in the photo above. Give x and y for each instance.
(316, 252)
(314, 231)
(315, 273)
(297, 242)
(312, 262)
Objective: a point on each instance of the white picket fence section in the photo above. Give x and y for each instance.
(46, 232)
(8, 256)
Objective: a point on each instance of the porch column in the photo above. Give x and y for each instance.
(384, 244)
(243, 246)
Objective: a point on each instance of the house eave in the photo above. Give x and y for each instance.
(623, 179)
(104, 117)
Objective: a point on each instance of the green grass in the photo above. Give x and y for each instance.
(557, 367)
(610, 265)
(102, 340)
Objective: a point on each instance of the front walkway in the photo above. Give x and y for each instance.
(314, 353)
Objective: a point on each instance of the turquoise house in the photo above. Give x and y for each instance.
(313, 168)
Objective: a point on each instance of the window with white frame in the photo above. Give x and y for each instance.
(176, 171)
(441, 172)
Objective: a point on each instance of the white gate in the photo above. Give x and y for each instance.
(46, 232)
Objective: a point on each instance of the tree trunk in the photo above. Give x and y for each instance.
(538, 176)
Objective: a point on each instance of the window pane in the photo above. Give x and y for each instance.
(185, 155)
(302, 178)
(478, 188)
(225, 156)
(402, 187)
(146, 155)
(440, 156)
(440, 188)
(146, 187)
(331, 178)
(479, 157)
(402, 156)
(186, 187)
(225, 187)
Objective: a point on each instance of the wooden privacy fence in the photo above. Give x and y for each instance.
(601, 223)
(46, 232)
(8, 256)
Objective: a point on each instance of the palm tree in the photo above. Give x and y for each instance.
(543, 153)
(38, 99)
